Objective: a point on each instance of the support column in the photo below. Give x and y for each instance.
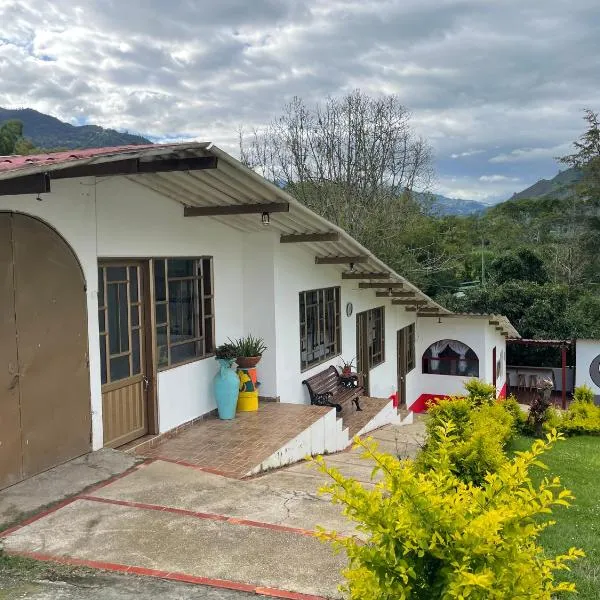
(563, 355)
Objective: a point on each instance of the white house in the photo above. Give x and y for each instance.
(587, 361)
(122, 268)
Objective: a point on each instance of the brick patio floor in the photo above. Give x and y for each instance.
(235, 447)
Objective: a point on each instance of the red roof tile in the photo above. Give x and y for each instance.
(10, 163)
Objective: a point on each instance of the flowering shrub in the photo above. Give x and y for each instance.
(428, 535)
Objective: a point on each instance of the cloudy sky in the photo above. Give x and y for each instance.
(496, 86)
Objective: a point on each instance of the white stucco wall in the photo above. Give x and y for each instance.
(117, 218)
(585, 352)
(296, 272)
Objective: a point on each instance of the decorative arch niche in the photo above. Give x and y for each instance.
(450, 357)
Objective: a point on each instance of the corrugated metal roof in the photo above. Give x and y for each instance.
(230, 183)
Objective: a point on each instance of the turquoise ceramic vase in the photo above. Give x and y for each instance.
(226, 387)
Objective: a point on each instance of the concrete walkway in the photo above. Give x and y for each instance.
(181, 523)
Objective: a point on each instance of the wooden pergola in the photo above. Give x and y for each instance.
(564, 345)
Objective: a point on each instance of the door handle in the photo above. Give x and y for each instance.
(146, 382)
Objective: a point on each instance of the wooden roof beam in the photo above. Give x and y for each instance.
(235, 209)
(365, 275)
(133, 166)
(38, 183)
(310, 237)
(414, 302)
(395, 294)
(340, 260)
(382, 285)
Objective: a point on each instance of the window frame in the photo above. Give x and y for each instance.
(206, 319)
(336, 346)
(470, 363)
(411, 351)
(371, 314)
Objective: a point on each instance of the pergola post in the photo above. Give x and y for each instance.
(563, 356)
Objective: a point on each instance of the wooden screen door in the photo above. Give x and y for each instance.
(122, 314)
(362, 348)
(405, 346)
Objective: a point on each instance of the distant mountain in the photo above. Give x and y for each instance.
(442, 206)
(49, 132)
(557, 187)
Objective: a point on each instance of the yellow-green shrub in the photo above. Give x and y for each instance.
(582, 417)
(479, 392)
(428, 535)
(583, 393)
(511, 406)
(480, 435)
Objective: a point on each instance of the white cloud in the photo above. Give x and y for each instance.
(529, 154)
(497, 178)
(466, 153)
(505, 79)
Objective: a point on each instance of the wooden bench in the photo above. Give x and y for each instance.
(327, 389)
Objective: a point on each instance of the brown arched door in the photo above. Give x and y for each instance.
(45, 415)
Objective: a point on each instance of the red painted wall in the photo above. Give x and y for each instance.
(420, 404)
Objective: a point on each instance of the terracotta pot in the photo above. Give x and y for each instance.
(247, 362)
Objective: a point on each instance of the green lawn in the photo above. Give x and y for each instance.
(577, 462)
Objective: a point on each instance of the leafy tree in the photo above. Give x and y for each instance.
(521, 265)
(10, 133)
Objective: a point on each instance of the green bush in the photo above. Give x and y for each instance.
(511, 406)
(480, 434)
(480, 393)
(582, 417)
(583, 393)
(457, 410)
(427, 535)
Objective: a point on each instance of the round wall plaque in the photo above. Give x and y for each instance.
(349, 309)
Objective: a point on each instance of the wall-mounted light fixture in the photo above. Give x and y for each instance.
(440, 320)
(351, 267)
(266, 218)
(390, 291)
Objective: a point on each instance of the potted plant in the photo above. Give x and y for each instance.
(347, 367)
(249, 351)
(226, 382)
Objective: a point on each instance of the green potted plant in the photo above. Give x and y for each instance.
(249, 351)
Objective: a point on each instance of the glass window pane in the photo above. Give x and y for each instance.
(209, 342)
(135, 352)
(135, 316)
(207, 276)
(123, 317)
(182, 318)
(100, 287)
(161, 346)
(113, 319)
(161, 314)
(103, 358)
(184, 352)
(180, 267)
(160, 291)
(116, 273)
(101, 321)
(133, 284)
(119, 368)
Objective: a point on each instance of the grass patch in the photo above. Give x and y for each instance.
(16, 568)
(577, 462)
